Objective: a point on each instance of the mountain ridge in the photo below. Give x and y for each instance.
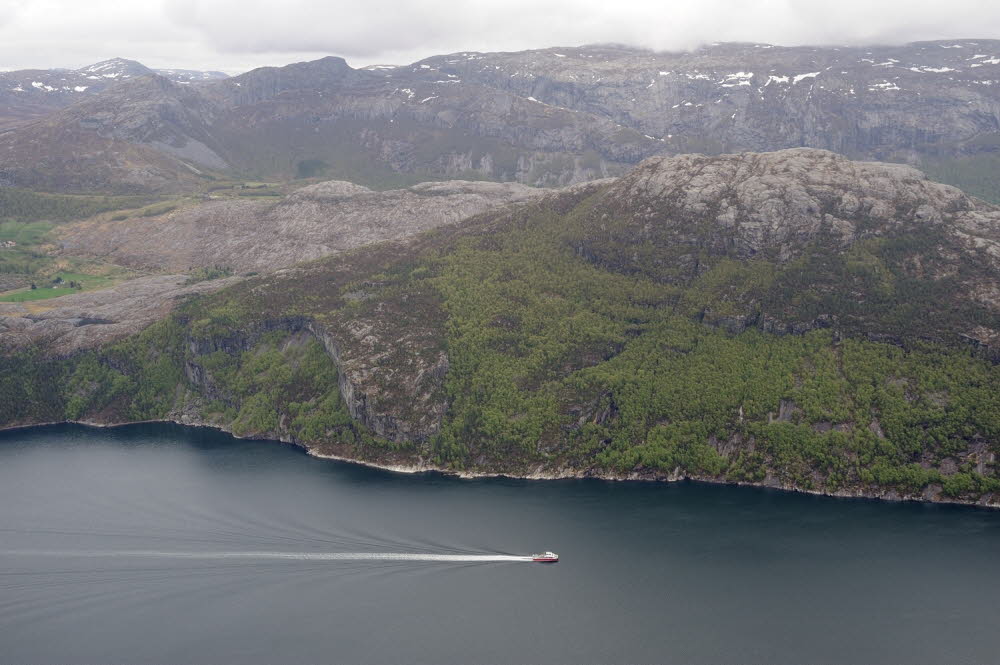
(552, 116)
(33, 93)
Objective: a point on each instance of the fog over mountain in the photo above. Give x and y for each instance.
(237, 35)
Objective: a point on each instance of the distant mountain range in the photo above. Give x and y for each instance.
(29, 93)
(542, 117)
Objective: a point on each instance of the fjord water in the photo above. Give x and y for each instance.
(91, 522)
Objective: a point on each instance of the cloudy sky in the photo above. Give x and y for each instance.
(236, 35)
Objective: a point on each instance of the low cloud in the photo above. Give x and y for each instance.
(239, 34)
(369, 29)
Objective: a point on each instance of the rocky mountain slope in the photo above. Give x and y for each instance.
(260, 236)
(893, 103)
(224, 237)
(309, 119)
(71, 323)
(792, 319)
(31, 93)
(544, 117)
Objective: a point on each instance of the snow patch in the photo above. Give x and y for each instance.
(802, 77)
(884, 85)
(739, 78)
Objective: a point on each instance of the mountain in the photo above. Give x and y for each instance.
(545, 117)
(792, 319)
(888, 103)
(32, 93)
(316, 118)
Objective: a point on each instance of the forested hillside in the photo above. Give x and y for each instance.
(792, 319)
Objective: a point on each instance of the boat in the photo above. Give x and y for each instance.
(545, 557)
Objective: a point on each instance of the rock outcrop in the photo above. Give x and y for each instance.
(91, 319)
(312, 222)
(774, 204)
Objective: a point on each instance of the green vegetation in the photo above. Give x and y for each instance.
(29, 294)
(60, 284)
(26, 220)
(560, 356)
(157, 209)
(284, 384)
(22, 205)
(976, 174)
(207, 274)
(556, 360)
(24, 233)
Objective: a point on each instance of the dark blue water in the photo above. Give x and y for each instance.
(684, 573)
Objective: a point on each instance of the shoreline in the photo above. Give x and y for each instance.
(538, 475)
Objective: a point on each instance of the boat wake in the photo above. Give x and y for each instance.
(294, 556)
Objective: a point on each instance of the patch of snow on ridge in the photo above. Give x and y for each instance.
(884, 85)
(776, 79)
(739, 78)
(802, 77)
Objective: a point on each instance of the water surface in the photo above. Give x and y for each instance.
(92, 523)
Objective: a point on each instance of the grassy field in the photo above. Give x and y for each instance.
(53, 288)
(44, 293)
